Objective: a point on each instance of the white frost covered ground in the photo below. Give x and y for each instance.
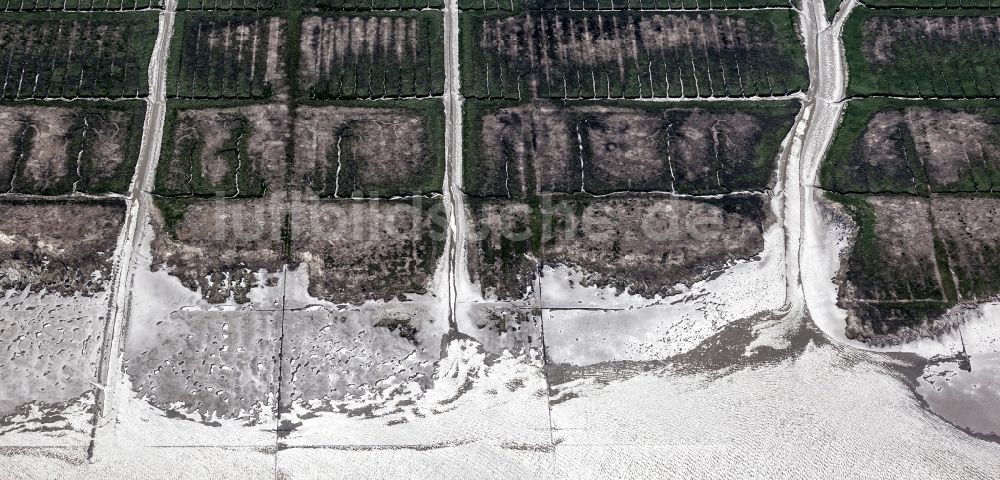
(628, 327)
(830, 413)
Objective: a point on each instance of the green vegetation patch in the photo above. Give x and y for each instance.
(926, 4)
(947, 53)
(227, 55)
(901, 146)
(77, 5)
(230, 4)
(564, 5)
(631, 55)
(523, 150)
(376, 55)
(69, 55)
(832, 7)
(369, 5)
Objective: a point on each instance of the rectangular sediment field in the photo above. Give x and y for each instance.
(902, 146)
(932, 4)
(645, 243)
(59, 147)
(897, 272)
(913, 258)
(368, 5)
(223, 149)
(521, 150)
(631, 54)
(371, 149)
(378, 55)
(78, 5)
(567, 5)
(231, 4)
(918, 179)
(44, 55)
(923, 53)
(228, 55)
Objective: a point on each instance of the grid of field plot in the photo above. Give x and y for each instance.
(60, 147)
(923, 53)
(918, 178)
(631, 55)
(78, 5)
(227, 55)
(72, 55)
(591, 5)
(372, 56)
(369, 5)
(230, 4)
(257, 136)
(74, 77)
(554, 139)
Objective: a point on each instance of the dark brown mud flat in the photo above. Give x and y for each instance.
(235, 151)
(503, 251)
(61, 147)
(358, 250)
(913, 259)
(642, 244)
(66, 247)
(647, 245)
(218, 246)
(915, 147)
(520, 151)
(372, 150)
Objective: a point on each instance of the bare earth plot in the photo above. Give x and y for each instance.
(62, 147)
(524, 150)
(381, 149)
(901, 146)
(228, 151)
(69, 55)
(631, 55)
